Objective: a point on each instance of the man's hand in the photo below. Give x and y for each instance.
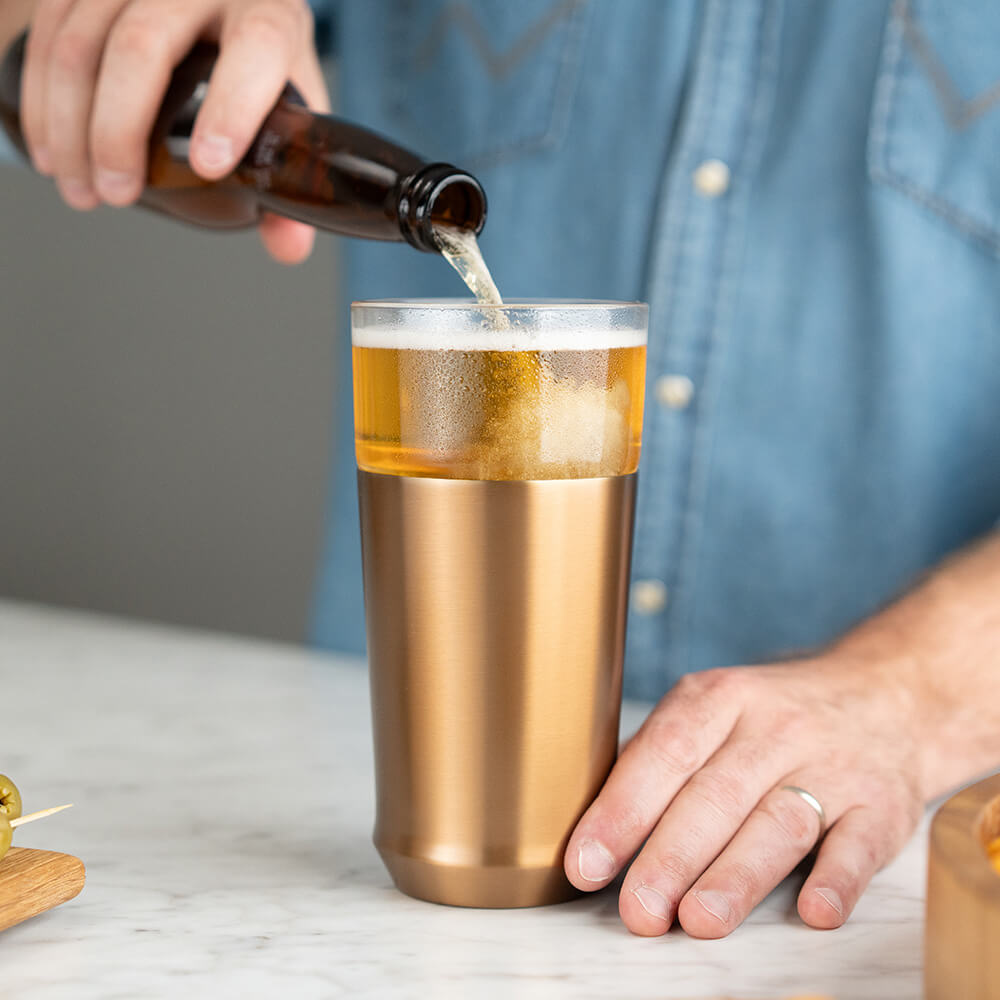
(703, 780)
(97, 71)
(903, 708)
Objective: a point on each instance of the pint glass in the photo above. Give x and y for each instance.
(497, 449)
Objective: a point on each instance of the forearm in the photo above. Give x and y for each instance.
(942, 640)
(14, 18)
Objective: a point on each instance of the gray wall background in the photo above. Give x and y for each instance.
(165, 416)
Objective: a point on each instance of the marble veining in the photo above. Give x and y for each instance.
(225, 802)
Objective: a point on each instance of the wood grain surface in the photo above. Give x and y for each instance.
(32, 882)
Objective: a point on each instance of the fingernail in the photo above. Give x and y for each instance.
(214, 151)
(652, 901)
(115, 185)
(595, 862)
(716, 903)
(832, 898)
(42, 162)
(78, 193)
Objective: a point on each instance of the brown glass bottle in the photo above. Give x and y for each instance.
(306, 166)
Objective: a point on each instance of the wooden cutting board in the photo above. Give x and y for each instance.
(32, 882)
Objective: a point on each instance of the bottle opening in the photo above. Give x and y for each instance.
(440, 195)
(460, 202)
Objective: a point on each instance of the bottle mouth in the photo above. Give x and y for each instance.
(440, 195)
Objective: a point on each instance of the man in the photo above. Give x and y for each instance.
(806, 195)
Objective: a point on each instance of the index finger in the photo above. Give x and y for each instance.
(258, 49)
(49, 14)
(146, 43)
(680, 735)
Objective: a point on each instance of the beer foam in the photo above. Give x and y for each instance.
(421, 337)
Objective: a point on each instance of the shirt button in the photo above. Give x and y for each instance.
(711, 178)
(674, 391)
(649, 597)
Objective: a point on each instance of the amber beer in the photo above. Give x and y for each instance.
(497, 451)
(499, 414)
(491, 404)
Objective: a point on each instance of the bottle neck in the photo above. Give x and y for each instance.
(306, 166)
(336, 176)
(439, 195)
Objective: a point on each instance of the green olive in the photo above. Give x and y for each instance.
(6, 835)
(10, 798)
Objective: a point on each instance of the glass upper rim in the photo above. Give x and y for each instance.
(470, 303)
(528, 324)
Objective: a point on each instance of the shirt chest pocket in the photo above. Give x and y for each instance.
(935, 129)
(482, 81)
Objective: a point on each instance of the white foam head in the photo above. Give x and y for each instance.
(463, 325)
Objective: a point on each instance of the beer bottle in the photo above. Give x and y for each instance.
(306, 166)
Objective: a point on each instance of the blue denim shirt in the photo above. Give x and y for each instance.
(808, 195)
(823, 407)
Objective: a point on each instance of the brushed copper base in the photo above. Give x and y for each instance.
(482, 886)
(496, 630)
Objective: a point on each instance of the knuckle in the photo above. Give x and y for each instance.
(630, 823)
(675, 870)
(273, 22)
(715, 685)
(675, 752)
(750, 758)
(789, 727)
(721, 680)
(116, 146)
(73, 54)
(139, 36)
(795, 821)
(744, 878)
(690, 684)
(723, 793)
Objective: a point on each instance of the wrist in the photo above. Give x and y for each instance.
(885, 665)
(935, 649)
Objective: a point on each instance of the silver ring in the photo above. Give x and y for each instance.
(812, 801)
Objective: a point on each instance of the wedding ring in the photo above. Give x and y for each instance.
(812, 801)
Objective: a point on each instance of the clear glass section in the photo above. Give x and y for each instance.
(527, 390)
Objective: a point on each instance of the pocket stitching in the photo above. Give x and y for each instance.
(562, 94)
(958, 110)
(878, 143)
(499, 64)
(562, 98)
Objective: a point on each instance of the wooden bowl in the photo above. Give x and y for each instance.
(962, 939)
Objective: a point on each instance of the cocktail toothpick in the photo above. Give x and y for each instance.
(41, 814)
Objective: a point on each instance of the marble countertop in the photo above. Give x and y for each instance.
(224, 806)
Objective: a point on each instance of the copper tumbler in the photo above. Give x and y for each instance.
(497, 450)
